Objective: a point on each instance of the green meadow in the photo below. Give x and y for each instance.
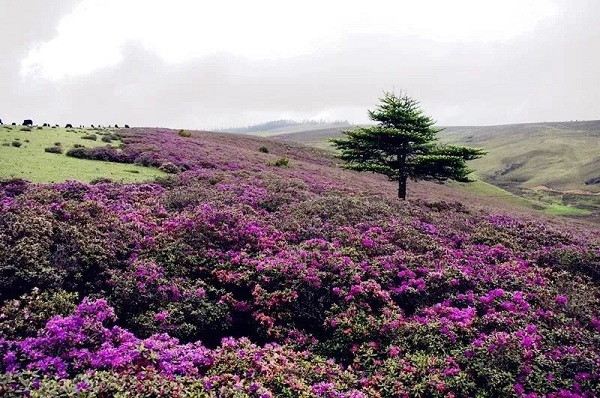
(30, 162)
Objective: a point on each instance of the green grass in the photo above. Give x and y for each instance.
(483, 188)
(562, 210)
(30, 162)
(544, 204)
(561, 156)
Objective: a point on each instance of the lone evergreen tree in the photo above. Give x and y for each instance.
(404, 145)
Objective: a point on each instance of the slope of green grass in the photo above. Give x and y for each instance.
(30, 162)
(561, 156)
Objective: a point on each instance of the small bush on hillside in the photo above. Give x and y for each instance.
(25, 129)
(169, 168)
(16, 144)
(40, 128)
(78, 146)
(101, 180)
(26, 140)
(107, 154)
(263, 149)
(5, 144)
(54, 149)
(92, 137)
(281, 162)
(53, 127)
(57, 144)
(183, 133)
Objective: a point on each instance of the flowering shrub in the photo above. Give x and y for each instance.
(234, 279)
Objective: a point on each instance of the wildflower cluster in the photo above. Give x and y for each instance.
(232, 278)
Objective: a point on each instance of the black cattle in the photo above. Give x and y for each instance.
(14, 124)
(126, 126)
(27, 122)
(116, 126)
(0, 121)
(92, 125)
(68, 126)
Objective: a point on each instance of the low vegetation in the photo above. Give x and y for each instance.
(232, 278)
(33, 163)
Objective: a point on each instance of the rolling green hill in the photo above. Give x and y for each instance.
(556, 164)
(22, 155)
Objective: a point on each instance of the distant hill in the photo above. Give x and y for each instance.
(561, 156)
(283, 126)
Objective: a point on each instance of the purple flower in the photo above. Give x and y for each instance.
(562, 300)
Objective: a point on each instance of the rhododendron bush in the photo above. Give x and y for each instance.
(237, 278)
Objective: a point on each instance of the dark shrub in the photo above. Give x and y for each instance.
(5, 144)
(263, 149)
(183, 133)
(107, 154)
(25, 129)
(54, 149)
(101, 180)
(78, 146)
(92, 137)
(40, 128)
(169, 168)
(281, 162)
(57, 144)
(16, 144)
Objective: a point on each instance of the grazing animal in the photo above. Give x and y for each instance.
(68, 126)
(14, 124)
(116, 126)
(92, 125)
(0, 121)
(126, 126)
(27, 122)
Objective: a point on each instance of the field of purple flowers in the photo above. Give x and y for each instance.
(238, 278)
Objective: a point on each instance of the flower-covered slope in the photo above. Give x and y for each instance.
(236, 278)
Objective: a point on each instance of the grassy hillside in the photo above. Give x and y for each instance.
(29, 160)
(244, 275)
(561, 156)
(552, 166)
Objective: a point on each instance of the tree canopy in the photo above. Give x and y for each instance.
(402, 145)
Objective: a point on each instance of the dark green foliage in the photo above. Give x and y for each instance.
(92, 137)
(16, 144)
(403, 145)
(28, 314)
(281, 162)
(263, 149)
(25, 129)
(183, 133)
(54, 149)
(170, 168)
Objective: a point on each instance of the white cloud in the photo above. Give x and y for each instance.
(93, 35)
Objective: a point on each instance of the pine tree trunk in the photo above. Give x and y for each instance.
(403, 172)
(402, 188)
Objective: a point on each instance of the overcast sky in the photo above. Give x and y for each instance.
(197, 64)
